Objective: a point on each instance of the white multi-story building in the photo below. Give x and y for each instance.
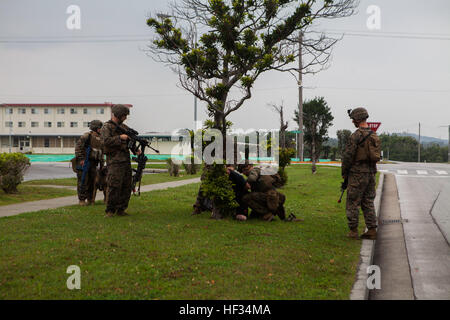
(55, 128)
(47, 128)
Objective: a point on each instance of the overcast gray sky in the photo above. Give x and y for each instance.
(403, 79)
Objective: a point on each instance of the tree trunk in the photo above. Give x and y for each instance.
(313, 152)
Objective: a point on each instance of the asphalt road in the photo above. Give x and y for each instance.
(46, 170)
(424, 196)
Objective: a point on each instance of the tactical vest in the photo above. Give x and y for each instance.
(96, 147)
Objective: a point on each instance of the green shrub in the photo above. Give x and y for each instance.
(174, 169)
(283, 176)
(12, 169)
(218, 187)
(286, 155)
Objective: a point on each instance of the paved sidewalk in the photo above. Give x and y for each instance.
(390, 250)
(16, 209)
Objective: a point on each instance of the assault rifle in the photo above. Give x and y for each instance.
(136, 144)
(344, 187)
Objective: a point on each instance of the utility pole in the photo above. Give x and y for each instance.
(419, 142)
(300, 136)
(449, 144)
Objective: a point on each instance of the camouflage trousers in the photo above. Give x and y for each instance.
(263, 203)
(86, 191)
(361, 194)
(118, 190)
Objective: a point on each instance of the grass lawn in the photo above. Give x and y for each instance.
(146, 179)
(162, 252)
(30, 193)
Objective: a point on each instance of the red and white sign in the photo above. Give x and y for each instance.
(374, 126)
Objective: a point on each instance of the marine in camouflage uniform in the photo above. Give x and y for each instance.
(264, 200)
(87, 190)
(360, 172)
(119, 176)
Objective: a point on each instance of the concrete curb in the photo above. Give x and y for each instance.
(360, 290)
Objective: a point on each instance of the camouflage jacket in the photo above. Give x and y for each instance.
(93, 139)
(349, 164)
(116, 150)
(259, 182)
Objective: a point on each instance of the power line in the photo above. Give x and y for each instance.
(256, 89)
(146, 37)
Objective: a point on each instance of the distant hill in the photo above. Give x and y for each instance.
(424, 139)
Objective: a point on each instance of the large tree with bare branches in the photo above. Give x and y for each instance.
(220, 47)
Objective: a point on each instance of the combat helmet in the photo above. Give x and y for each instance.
(95, 125)
(359, 114)
(120, 110)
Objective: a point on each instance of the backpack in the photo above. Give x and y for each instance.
(369, 148)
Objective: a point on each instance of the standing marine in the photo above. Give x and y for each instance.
(119, 176)
(359, 168)
(91, 143)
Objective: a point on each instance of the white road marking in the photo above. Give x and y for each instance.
(422, 172)
(383, 170)
(441, 172)
(402, 171)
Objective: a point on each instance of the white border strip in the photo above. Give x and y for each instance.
(360, 290)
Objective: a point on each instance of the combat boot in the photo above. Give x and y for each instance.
(281, 212)
(371, 234)
(268, 217)
(353, 234)
(109, 214)
(82, 203)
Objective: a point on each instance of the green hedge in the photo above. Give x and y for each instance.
(12, 169)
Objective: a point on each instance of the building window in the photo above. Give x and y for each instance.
(22, 111)
(8, 124)
(61, 111)
(47, 124)
(60, 124)
(35, 124)
(34, 111)
(74, 124)
(9, 111)
(86, 124)
(46, 143)
(73, 111)
(21, 124)
(86, 111)
(100, 111)
(46, 111)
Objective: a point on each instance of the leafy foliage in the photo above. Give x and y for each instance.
(218, 187)
(317, 120)
(405, 148)
(12, 169)
(218, 45)
(343, 139)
